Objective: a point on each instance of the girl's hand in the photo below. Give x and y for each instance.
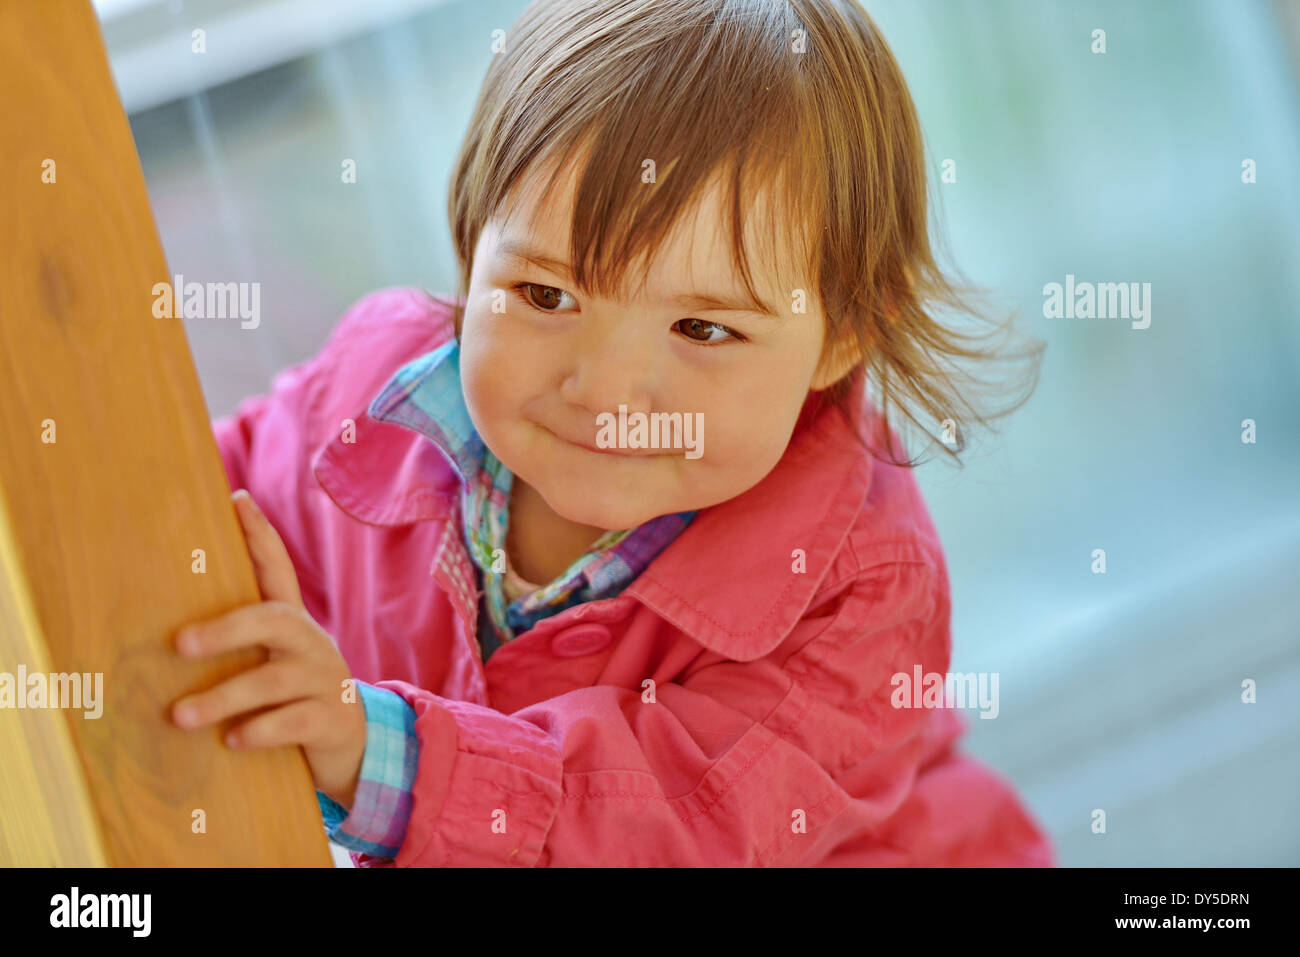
(305, 677)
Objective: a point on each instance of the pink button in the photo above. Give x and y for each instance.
(580, 640)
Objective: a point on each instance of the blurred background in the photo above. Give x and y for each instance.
(1120, 691)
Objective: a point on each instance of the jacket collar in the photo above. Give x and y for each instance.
(425, 396)
(728, 580)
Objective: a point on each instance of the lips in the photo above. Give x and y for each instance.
(591, 447)
(632, 453)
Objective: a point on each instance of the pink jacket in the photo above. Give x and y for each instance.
(724, 709)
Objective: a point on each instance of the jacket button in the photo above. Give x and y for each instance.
(580, 640)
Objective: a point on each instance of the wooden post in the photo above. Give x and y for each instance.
(116, 525)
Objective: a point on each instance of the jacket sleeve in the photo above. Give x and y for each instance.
(255, 439)
(263, 449)
(770, 762)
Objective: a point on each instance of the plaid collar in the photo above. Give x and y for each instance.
(425, 395)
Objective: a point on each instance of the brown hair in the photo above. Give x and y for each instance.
(802, 97)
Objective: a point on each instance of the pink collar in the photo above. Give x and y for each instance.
(729, 580)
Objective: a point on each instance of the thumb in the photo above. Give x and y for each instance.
(275, 575)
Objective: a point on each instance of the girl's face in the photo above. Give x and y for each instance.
(539, 369)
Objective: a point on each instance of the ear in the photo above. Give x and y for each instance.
(837, 362)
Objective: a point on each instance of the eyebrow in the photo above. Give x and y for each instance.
(738, 303)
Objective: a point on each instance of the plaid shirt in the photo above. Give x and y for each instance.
(425, 395)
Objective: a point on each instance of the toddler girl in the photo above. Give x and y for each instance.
(508, 632)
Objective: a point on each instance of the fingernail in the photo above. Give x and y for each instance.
(187, 642)
(185, 714)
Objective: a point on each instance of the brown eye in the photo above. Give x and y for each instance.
(697, 330)
(546, 298)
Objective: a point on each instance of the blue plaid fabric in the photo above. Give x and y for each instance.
(382, 806)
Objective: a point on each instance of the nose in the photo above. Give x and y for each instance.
(610, 367)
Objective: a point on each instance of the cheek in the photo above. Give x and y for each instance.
(487, 372)
(744, 440)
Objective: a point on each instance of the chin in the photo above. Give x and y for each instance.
(601, 511)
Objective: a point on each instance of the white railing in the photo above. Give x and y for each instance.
(151, 42)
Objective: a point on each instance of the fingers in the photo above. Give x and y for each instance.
(297, 723)
(272, 683)
(275, 575)
(278, 626)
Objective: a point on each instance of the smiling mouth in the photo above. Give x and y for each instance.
(627, 453)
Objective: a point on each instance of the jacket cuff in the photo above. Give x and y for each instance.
(376, 825)
(487, 789)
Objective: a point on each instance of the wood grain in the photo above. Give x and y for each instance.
(98, 528)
